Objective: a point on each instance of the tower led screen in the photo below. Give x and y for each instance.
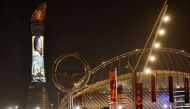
(38, 72)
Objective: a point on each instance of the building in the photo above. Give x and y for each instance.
(171, 72)
(37, 94)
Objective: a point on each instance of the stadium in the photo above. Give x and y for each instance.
(151, 78)
(170, 71)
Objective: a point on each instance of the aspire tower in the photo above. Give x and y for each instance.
(37, 95)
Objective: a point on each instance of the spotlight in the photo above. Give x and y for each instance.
(177, 86)
(165, 106)
(162, 32)
(16, 107)
(157, 45)
(147, 70)
(166, 18)
(152, 58)
(37, 107)
(120, 107)
(77, 107)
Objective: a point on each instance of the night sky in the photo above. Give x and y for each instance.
(98, 30)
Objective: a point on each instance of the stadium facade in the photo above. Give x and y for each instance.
(165, 88)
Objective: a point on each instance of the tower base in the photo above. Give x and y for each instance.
(38, 97)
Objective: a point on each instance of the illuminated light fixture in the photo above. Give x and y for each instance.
(77, 107)
(165, 106)
(177, 86)
(10, 108)
(162, 32)
(166, 18)
(152, 58)
(16, 107)
(120, 107)
(136, 49)
(75, 85)
(147, 70)
(37, 107)
(157, 45)
(103, 62)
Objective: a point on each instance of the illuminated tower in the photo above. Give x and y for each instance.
(37, 95)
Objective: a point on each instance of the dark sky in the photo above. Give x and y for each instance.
(98, 30)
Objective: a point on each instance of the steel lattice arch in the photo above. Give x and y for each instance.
(169, 62)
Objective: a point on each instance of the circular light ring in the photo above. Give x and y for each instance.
(81, 83)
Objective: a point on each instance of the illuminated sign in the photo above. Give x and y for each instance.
(38, 72)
